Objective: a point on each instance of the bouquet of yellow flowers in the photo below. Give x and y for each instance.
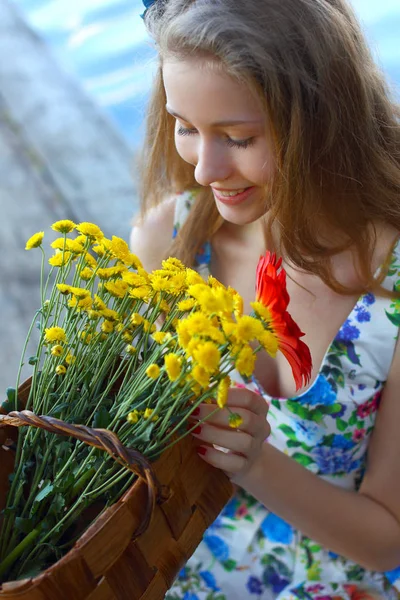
(130, 354)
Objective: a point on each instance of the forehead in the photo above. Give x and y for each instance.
(200, 90)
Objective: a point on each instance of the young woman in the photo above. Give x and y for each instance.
(271, 128)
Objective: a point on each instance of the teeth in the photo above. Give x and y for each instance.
(230, 194)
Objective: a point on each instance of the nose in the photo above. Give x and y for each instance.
(213, 163)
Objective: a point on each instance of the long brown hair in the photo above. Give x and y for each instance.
(335, 127)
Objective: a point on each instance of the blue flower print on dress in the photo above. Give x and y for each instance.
(369, 299)
(362, 314)
(308, 432)
(319, 393)
(276, 529)
(254, 585)
(331, 462)
(273, 579)
(393, 575)
(209, 580)
(348, 332)
(339, 441)
(217, 546)
(190, 596)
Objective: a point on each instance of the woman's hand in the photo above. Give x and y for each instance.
(232, 450)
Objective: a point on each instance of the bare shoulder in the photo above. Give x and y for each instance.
(152, 235)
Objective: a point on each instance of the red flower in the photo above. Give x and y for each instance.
(271, 292)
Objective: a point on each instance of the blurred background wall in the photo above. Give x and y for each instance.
(74, 81)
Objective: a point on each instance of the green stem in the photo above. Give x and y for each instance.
(18, 550)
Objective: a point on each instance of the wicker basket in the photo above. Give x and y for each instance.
(135, 549)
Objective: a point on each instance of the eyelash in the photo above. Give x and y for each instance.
(231, 143)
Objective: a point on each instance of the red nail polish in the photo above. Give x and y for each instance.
(196, 412)
(201, 450)
(197, 430)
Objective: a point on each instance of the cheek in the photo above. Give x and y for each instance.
(186, 148)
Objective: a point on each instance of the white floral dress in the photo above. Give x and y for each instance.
(249, 552)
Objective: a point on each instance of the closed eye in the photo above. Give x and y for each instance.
(229, 141)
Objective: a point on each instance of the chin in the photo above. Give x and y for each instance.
(240, 215)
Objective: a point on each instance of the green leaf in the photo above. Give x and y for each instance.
(317, 415)
(333, 384)
(296, 408)
(11, 392)
(332, 409)
(394, 318)
(338, 376)
(334, 360)
(303, 459)
(101, 418)
(44, 492)
(341, 424)
(288, 431)
(23, 525)
(229, 565)
(293, 444)
(353, 418)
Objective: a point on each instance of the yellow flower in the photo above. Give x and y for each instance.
(83, 304)
(54, 334)
(193, 278)
(64, 226)
(61, 370)
(185, 305)
(133, 417)
(117, 289)
(86, 337)
(235, 420)
(160, 336)
(207, 356)
(136, 319)
(148, 414)
(57, 350)
(127, 336)
(245, 361)
(60, 259)
(70, 359)
(86, 274)
(165, 307)
(65, 244)
(261, 310)
(90, 260)
(110, 272)
(153, 371)
(35, 240)
(248, 328)
(109, 314)
(64, 289)
(91, 230)
(269, 342)
(107, 327)
(173, 264)
(184, 336)
(222, 391)
(93, 315)
(120, 249)
(135, 262)
(130, 349)
(201, 376)
(160, 283)
(134, 279)
(196, 323)
(172, 366)
(98, 303)
(149, 327)
(141, 293)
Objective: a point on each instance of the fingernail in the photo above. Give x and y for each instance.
(201, 450)
(197, 430)
(196, 412)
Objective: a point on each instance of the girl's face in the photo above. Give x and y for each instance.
(222, 130)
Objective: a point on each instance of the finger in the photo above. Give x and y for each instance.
(230, 463)
(243, 398)
(252, 423)
(236, 441)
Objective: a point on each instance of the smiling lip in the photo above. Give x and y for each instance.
(235, 199)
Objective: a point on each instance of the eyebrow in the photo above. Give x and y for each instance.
(218, 123)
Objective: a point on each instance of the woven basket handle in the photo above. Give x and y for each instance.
(99, 438)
